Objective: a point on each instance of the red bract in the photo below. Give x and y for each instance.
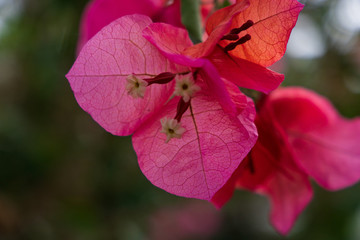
(188, 144)
(300, 136)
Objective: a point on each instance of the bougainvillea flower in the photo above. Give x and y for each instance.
(188, 143)
(300, 136)
(100, 13)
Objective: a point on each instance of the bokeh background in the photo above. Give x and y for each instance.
(63, 177)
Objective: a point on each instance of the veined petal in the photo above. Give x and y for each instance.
(98, 77)
(246, 116)
(273, 22)
(326, 145)
(199, 163)
(217, 26)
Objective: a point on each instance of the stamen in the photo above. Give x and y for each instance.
(251, 163)
(233, 45)
(231, 37)
(171, 128)
(162, 78)
(185, 86)
(135, 86)
(181, 109)
(243, 27)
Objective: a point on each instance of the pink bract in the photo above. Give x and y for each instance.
(190, 166)
(132, 45)
(300, 136)
(325, 144)
(100, 13)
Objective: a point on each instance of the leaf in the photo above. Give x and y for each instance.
(98, 76)
(190, 17)
(200, 163)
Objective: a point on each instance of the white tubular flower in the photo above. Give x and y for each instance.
(185, 86)
(171, 128)
(135, 86)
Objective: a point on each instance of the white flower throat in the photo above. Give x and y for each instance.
(185, 87)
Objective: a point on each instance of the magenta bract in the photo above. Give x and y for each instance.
(300, 136)
(215, 140)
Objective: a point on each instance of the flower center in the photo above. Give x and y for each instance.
(171, 128)
(185, 86)
(135, 86)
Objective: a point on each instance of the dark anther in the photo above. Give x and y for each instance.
(251, 163)
(137, 84)
(184, 86)
(171, 130)
(233, 45)
(181, 109)
(243, 27)
(231, 37)
(195, 74)
(162, 78)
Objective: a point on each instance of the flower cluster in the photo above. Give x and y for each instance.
(195, 133)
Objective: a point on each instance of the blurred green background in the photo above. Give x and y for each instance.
(63, 177)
